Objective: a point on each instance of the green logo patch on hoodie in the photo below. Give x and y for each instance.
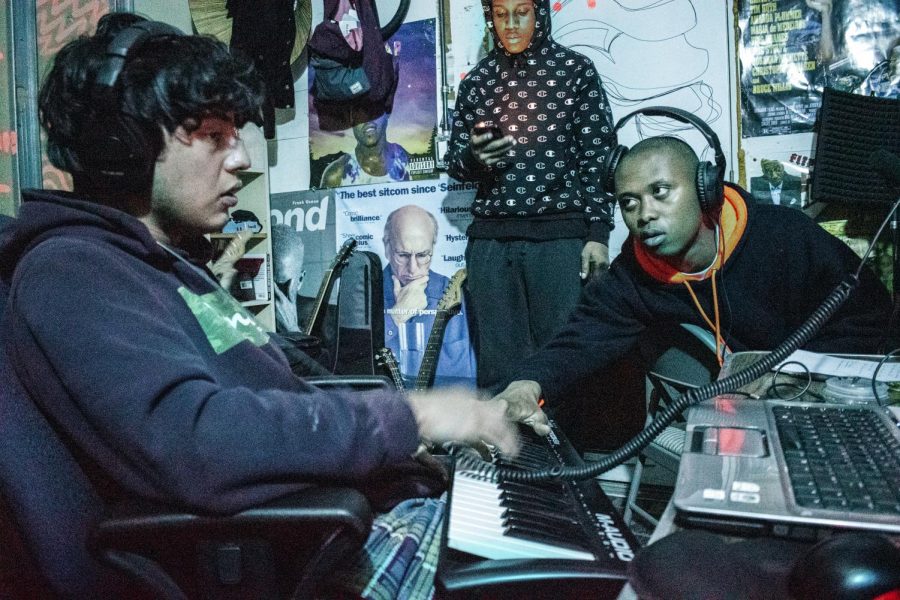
(225, 322)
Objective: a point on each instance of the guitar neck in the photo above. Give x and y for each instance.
(317, 312)
(396, 376)
(427, 369)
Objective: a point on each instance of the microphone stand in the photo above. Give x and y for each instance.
(895, 272)
(895, 241)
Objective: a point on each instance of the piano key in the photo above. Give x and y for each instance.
(472, 530)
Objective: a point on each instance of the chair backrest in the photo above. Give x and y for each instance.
(679, 357)
(51, 501)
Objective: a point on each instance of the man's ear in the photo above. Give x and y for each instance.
(183, 132)
(179, 135)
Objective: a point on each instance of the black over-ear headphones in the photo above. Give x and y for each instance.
(709, 178)
(116, 151)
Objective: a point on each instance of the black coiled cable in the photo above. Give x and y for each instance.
(723, 386)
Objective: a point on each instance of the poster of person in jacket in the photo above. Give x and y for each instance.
(385, 139)
(418, 230)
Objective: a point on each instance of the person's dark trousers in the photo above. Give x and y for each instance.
(520, 293)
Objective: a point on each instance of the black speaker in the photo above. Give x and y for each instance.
(709, 178)
(115, 150)
(851, 129)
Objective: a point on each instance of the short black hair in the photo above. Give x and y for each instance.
(670, 145)
(170, 80)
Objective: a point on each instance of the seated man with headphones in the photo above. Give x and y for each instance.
(120, 333)
(701, 252)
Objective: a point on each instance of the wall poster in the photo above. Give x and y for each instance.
(791, 49)
(425, 247)
(395, 146)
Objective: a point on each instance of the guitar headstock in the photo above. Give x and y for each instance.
(385, 358)
(452, 297)
(343, 254)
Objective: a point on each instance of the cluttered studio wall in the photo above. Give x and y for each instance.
(344, 148)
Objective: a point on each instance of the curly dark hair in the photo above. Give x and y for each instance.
(169, 80)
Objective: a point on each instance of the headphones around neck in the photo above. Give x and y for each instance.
(709, 178)
(116, 151)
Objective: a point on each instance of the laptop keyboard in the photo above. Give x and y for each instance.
(840, 458)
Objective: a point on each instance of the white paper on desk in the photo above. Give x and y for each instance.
(825, 364)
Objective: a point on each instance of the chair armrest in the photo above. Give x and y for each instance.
(345, 507)
(301, 537)
(356, 382)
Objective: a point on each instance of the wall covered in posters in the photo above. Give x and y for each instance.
(309, 227)
(790, 50)
(303, 245)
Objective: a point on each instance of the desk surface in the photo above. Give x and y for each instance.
(785, 385)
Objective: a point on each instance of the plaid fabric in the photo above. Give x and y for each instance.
(399, 559)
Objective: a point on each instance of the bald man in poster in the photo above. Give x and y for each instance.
(412, 292)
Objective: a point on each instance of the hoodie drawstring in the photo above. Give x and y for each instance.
(716, 327)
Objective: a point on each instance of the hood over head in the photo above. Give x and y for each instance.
(541, 25)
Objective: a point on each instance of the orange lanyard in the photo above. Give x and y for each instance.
(716, 327)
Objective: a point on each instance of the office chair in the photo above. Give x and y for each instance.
(681, 357)
(83, 548)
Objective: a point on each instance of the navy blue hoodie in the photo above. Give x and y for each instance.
(160, 379)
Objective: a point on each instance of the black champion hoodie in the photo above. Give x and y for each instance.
(550, 99)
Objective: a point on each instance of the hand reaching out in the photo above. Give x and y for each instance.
(223, 267)
(522, 400)
(456, 414)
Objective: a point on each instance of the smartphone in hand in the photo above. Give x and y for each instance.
(481, 128)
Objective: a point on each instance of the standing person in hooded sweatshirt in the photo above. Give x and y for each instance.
(542, 220)
(121, 335)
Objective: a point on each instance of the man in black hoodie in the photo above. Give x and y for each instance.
(748, 273)
(541, 217)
